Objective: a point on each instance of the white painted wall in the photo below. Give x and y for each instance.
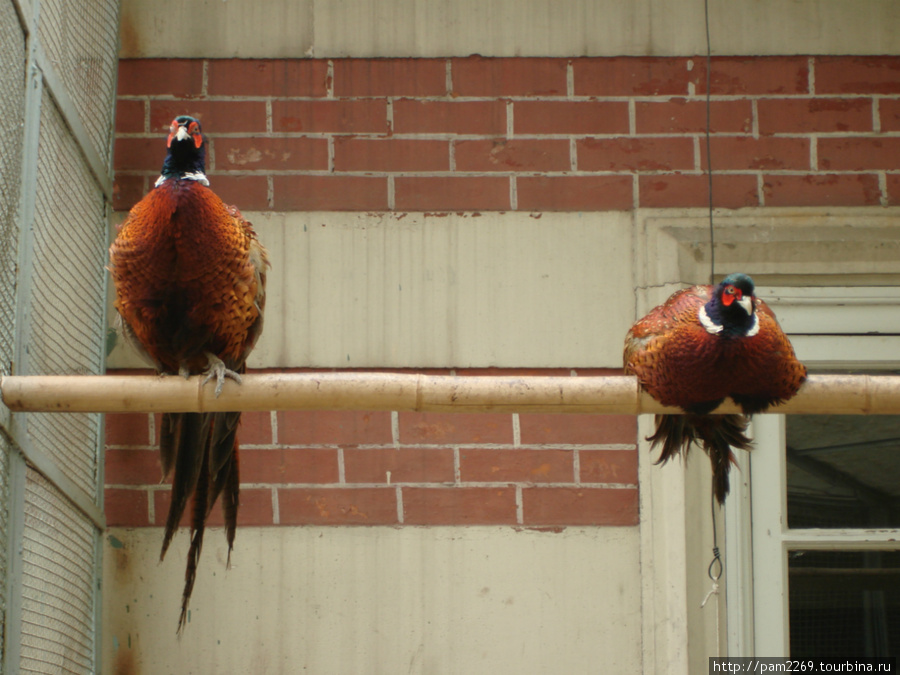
(564, 28)
(346, 600)
(410, 290)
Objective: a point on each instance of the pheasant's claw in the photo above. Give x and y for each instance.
(183, 371)
(218, 370)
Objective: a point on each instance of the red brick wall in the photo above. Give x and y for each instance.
(382, 468)
(521, 134)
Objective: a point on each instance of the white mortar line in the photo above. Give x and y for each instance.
(276, 508)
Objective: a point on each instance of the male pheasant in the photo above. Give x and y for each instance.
(190, 278)
(703, 345)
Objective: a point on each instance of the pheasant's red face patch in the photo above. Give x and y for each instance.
(730, 294)
(193, 129)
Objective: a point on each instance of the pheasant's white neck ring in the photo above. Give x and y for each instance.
(715, 328)
(198, 176)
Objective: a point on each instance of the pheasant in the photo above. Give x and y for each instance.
(190, 277)
(703, 345)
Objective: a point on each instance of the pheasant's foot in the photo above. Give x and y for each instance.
(183, 371)
(217, 369)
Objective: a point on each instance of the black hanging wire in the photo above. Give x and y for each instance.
(709, 171)
(716, 565)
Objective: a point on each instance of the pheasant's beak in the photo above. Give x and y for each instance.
(182, 134)
(746, 302)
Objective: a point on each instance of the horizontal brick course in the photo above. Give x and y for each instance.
(822, 190)
(267, 77)
(857, 74)
(635, 154)
(586, 506)
(808, 115)
(575, 193)
(407, 134)
(500, 154)
(679, 115)
(485, 118)
(570, 117)
(631, 76)
(479, 76)
(379, 468)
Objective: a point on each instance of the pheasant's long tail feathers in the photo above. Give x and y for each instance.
(717, 434)
(675, 434)
(198, 527)
(188, 435)
(224, 472)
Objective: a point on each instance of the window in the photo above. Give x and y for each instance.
(813, 538)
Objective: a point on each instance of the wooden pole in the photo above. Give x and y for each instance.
(822, 394)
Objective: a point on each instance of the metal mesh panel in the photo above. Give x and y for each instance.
(67, 302)
(80, 38)
(12, 114)
(4, 529)
(57, 583)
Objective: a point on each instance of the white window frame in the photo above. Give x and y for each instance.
(861, 329)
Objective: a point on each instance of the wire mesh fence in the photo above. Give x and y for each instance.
(56, 120)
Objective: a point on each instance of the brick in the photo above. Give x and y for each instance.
(516, 465)
(730, 191)
(579, 506)
(889, 112)
(742, 152)
(168, 77)
(129, 116)
(822, 190)
(355, 116)
(405, 465)
(479, 76)
(255, 428)
(453, 428)
(267, 77)
(254, 508)
(338, 506)
(574, 193)
(752, 76)
(132, 467)
(271, 154)
(500, 154)
(390, 77)
(609, 466)
(126, 508)
(570, 117)
(248, 193)
(486, 118)
(330, 193)
(857, 74)
(631, 76)
(548, 428)
(451, 193)
(333, 427)
(859, 154)
(367, 154)
(216, 117)
(139, 154)
(459, 506)
(128, 429)
(635, 154)
(809, 115)
(679, 115)
(289, 465)
(893, 189)
(128, 191)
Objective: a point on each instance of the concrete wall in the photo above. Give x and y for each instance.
(427, 28)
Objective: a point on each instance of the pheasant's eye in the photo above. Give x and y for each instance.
(194, 128)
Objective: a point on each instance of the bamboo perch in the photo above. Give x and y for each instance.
(822, 394)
